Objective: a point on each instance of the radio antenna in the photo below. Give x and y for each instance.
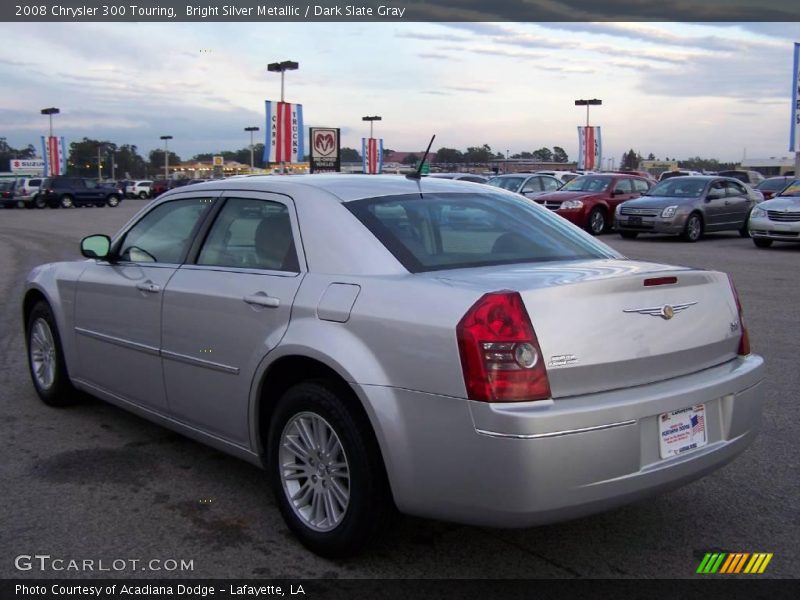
(418, 174)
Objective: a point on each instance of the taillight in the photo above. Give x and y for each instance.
(500, 355)
(744, 339)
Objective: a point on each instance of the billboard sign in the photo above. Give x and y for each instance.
(27, 165)
(325, 157)
(55, 156)
(372, 153)
(590, 148)
(284, 133)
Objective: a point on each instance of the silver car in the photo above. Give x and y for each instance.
(689, 206)
(528, 185)
(381, 342)
(777, 219)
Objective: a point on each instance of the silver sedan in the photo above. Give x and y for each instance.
(778, 219)
(381, 343)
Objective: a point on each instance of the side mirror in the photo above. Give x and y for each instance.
(96, 246)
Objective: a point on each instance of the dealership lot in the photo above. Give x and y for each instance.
(94, 482)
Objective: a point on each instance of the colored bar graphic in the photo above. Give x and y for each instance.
(732, 563)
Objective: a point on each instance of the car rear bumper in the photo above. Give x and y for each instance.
(523, 464)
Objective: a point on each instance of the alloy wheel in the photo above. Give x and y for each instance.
(43, 354)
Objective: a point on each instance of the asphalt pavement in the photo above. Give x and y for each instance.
(93, 482)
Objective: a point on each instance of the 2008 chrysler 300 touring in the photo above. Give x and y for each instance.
(381, 342)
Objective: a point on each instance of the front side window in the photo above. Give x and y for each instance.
(447, 231)
(679, 187)
(623, 186)
(550, 184)
(735, 189)
(640, 185)
(588, 183)
(164, 234)
(507, 183)
(534, 184)
(251, 234)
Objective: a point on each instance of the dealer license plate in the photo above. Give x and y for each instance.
(682, 430)
(634, 220)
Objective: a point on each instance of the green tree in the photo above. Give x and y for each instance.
(410, 159)
(83, 157)
(129, 163)
(482, 154)
(651, 156)
(449, 155)
(7, 153)
(543, 155)
(157, 159)
(349, 155)
(559, 155)
(630, 161)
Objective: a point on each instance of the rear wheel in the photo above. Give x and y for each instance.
(112, 201)
(327, 476)
(143, 195)
(67, 201)
(597, 221)
(46, 359)
(693, 230)
(39, 201)
(762, 242)
(629, 235)
(744, 231)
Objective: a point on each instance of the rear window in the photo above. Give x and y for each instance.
(772, 185)
(447, 231)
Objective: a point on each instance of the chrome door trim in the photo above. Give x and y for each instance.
(550, 434)
(152, 350)
(184, 358)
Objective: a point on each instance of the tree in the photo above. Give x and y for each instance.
(349, 155)
(528, 155)
(651, 156)
(449, 155)
(157, 159)
(543, 155)
(83, 156)
(7, 153)
(630, 160)
(129, 163)
(410, 159)
(559, 155)
(481, 154)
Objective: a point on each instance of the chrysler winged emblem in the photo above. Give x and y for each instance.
(666, 312)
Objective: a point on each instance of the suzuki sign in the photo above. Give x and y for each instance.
(34, 166)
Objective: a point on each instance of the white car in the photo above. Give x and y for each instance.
(562, 176)
(777, 219)
(139, 189)
(26, 190)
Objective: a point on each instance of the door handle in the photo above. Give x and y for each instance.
(727, 202)
(262, 299)
(149, 287)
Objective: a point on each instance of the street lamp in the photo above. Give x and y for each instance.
(50, 112)
(587, 104)
(166, 139)
(371, 121)
(282, 67)
(251, 130)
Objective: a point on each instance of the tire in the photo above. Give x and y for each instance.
(67, 201)
(597, 222)
(112, 201)
(143, 195)
(629, 235)
(744, 231)
(762, 242)
(46, 358)
(361, 497)
(693, 230)
(39, 201)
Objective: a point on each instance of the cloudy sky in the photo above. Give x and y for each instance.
(718, 91)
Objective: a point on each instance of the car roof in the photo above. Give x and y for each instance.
(342, 187)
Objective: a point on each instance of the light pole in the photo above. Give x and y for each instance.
(50, 112)
(371, 121)
(587, 104)
(100, 148)
(282, 67)
(251, 130)
(166, 139)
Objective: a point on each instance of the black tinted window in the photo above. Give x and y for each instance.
(444, 231)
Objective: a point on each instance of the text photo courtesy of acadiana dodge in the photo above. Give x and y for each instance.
(138, 591)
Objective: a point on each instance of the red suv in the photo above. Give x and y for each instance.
(589, 201)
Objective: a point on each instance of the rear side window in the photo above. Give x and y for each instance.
(640, 185)
(445, 231)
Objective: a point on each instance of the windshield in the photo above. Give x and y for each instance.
(793, 189)
(587, 183)
(459, 230)
(772, 185)
(679, 187)
(507, 183)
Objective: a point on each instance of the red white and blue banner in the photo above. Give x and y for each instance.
(794, 139)
(284, 133)
(372, 153)
(590, 148)
(55, 156)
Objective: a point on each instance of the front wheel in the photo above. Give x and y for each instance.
(143, 195)
(762, 242)
(693, 230)
(326, 471)
(39, 201)
(597, 221)
(112, 201)
(46, 358)
(744, 231)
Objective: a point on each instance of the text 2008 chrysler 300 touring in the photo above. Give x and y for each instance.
(385, 341)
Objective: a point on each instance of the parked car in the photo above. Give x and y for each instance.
(26, 190)
(751, 177)
(688, 206)
(529, 185)
(644, 174)
(67, 192)
(7, 192)
(590, 200)
(678, 173)
(470, 177)
(562, 176)
(139, 189)
(423, 344)
(772, 186)
(777, 219)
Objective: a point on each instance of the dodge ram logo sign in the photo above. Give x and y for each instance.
(324, 150)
